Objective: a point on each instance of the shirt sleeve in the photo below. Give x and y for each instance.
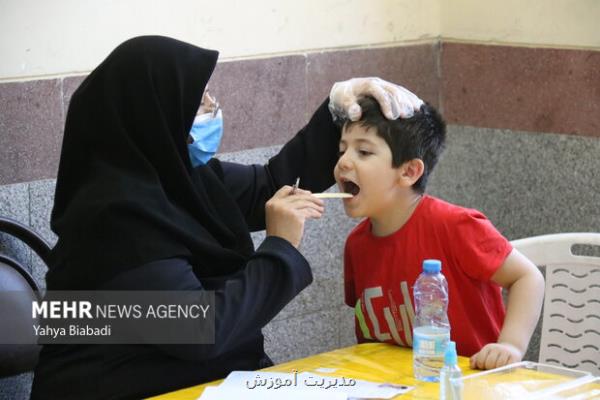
(251, 186)
(244, 302)
(478, 248)
(349, 292)
(310, 155)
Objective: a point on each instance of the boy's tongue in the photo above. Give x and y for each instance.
(351, 187)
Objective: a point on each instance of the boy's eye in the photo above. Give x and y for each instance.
(340, 153)
(364, 153)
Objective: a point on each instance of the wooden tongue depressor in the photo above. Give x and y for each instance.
(333, 195)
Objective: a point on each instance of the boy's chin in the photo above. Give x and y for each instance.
(352, 213)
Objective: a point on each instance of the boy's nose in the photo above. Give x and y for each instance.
(344, 162)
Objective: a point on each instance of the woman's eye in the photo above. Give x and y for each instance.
(340, 153)
(364, 153)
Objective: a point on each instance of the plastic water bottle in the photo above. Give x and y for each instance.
(431, 330)
(448, 391)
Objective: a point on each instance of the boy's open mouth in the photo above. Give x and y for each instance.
(350, 187)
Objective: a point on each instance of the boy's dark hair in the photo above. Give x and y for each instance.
(422, 136)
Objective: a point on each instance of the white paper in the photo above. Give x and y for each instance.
(276, 384)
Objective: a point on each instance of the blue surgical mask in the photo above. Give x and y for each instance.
(206, 131)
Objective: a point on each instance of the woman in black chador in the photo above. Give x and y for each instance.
(133, 211)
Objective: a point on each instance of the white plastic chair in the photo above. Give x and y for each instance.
(570, 334)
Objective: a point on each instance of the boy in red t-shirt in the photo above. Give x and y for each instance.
(385, 165)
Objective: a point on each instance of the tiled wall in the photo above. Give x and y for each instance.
(507, 163)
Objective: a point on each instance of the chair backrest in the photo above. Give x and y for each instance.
(14, 278)
(570, 334)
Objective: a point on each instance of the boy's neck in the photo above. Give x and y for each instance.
(396, 217)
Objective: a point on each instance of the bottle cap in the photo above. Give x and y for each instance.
(450, 357)
(432, 266)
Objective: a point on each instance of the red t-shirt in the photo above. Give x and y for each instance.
(379, 274)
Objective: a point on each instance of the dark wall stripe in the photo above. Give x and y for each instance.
(30, 130)
(266, 101)
(520, 88)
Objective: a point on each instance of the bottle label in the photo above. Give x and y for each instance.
(430, 345)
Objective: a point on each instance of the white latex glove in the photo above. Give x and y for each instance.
(394, 100)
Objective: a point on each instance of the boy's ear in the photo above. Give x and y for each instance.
(411, 171)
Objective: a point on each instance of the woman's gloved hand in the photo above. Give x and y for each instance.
(394, 100)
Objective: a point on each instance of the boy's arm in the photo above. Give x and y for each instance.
(525, 286)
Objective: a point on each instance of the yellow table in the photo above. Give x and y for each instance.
(376, 362)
